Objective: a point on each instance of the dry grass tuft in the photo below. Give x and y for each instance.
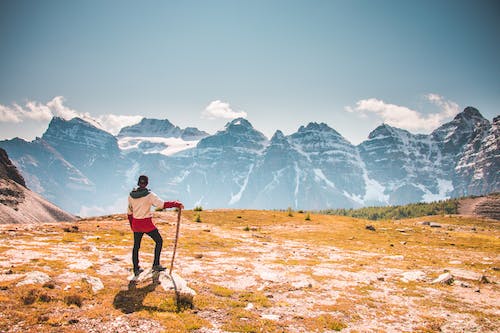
(73, 299)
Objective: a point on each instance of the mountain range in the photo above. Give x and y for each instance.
(88, 171)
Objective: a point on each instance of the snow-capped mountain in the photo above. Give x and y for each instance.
(404, 164)
(151, 136)
(88, 171)
(215, 173)
(480, 156)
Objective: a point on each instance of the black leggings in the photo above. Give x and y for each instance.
(155, 235)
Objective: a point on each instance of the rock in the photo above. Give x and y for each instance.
(270, 317)
(424, 223)
(396, 257)
(35, 277)
(370, 227)
(465, 285)
(249, 306)
(445, 278)
(177, 283)
(81, 264)
(434, 225)
(464, 274)
(96, 283)
(413, 276)
(484, 279)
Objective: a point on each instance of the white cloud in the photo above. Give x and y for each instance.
(9, 115)
(217, 109)
(60, 110)
(40, 112)
(449, 108)
(37, 111)
(404, 117)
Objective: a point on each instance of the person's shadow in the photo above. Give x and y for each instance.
(131, 300)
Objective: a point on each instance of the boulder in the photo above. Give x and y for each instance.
(445, 278)
(96, 283)
(413, 276)
(35, 277)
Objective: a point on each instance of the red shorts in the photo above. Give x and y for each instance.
(142, 225)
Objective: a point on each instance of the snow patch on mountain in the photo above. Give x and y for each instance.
(236, 197)
(320, 176)
(155, 145)
(444, 189)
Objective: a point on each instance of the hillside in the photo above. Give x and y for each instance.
(20, 205)
(256, 271)
(481, 207)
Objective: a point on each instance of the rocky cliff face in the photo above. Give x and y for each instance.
(9, 170)
(238, 166)
(20, 205)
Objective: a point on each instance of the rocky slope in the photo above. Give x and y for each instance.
(20, 205)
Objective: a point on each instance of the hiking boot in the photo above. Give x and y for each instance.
(138, 271)
(158, 268)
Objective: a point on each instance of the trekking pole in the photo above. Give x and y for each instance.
(175, 241)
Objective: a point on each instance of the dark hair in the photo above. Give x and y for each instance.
(143, 180)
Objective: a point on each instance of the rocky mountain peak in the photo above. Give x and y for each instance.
(239, 123)
(317, 127)
(163, 128)
(237, 133)
(385, 130)
(469, 113)
(73, 128)
(148, 127)
(278, 136)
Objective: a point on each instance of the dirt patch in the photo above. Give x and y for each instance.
(488, 206)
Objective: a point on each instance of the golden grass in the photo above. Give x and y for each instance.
(49, 308)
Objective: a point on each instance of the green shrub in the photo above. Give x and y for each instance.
(198, 209)
(197, 218)
(443, 207)
(290, 211)
(308, 217)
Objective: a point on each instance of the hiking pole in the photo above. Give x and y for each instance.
(175, 241)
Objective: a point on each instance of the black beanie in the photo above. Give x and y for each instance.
(143, 181)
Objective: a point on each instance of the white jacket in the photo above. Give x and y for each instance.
(140, 208)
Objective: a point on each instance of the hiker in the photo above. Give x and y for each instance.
(140, 216)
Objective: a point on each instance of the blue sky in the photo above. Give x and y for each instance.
(282, 64)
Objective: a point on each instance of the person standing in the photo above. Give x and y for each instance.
(140, 218)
